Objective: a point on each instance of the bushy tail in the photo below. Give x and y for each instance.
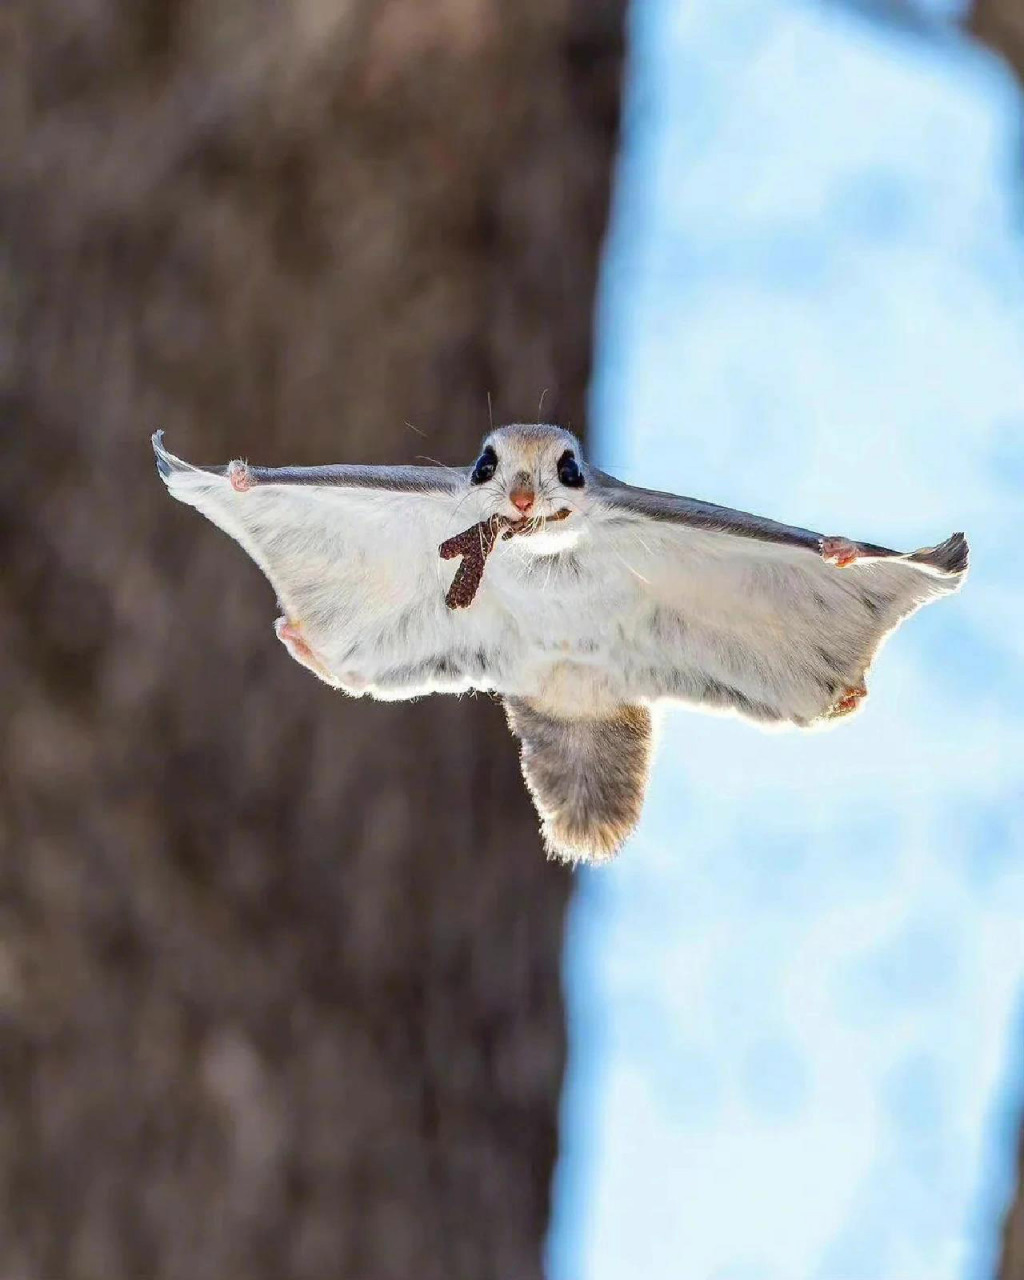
(587, 777)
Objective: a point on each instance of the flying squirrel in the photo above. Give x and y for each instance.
(581, 601)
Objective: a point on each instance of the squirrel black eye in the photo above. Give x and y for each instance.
(485, 466)
(569, 472)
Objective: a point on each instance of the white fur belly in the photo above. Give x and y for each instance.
(567, 614)
(573, 689)
(541, 627)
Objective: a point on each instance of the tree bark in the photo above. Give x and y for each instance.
(279, 971)
(1000, 23)
(1011, 1266)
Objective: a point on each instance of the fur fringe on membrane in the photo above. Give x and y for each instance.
(587, 777)
(950, 556)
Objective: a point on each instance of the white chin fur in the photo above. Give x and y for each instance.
(548, 542)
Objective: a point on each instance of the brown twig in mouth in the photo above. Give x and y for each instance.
(476, 543)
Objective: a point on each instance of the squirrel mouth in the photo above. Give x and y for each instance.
(509, 528)
(475, 544)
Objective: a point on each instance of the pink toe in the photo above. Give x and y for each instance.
(240, 477)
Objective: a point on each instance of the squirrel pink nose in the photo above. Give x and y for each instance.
(521, 499)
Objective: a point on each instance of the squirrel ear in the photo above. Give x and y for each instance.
(587, 777)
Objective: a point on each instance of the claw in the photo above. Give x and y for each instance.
(839, 551)
(849, 701)
(240, 476)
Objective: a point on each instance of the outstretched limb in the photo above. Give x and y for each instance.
(847, 702)
(240, 475)
(290, 635)
(948, 560)
(840, 551)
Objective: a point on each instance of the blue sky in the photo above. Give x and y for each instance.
(797, 1000)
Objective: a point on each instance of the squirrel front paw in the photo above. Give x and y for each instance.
(839, 551)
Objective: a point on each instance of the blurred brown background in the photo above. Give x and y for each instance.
(279, 971)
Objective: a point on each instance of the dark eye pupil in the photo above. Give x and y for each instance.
(485, 466)
(568, 471)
